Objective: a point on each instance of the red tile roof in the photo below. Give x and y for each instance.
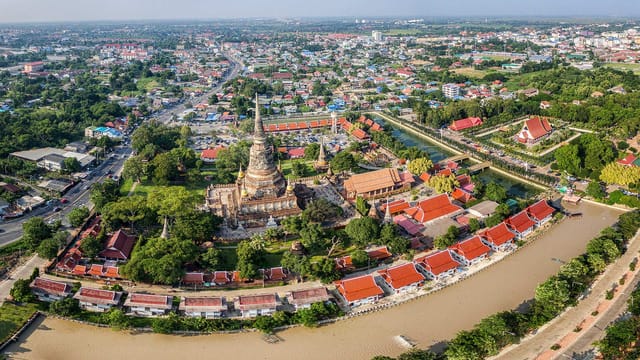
(119, 246)
(95, 270)
(439, 262)
(193, 278)
(540, 210)
(433, 208)
(520, 222)
(401, 275)
(344, 263)
(97, 296)
(499, 234)
(79, 270)
(471, 248)
(275, 274)
(359, 288)
(309, 296)
(462, 196)
(148, 299)
(256, 301)
(203, 301)
(380, 253)
(467, 123)
(296, 153)
(211, 154)
(222, 277)
(538, 127)
(360, 134)
(51, 286)
(395, 207)
(112, 272)
(628, 160)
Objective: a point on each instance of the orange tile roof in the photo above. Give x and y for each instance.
(309, 296)
(380, 253)
(432, 208)
(439, 262)
(51, 286)
(538, 127)
(395, 207)
(96, 270)
(520, 222)
(112, 272)
(344, 263)
(79, 270)
(359, 288)
(360, 134)
(471, 248)
(401, 275)
(499, 234)
(372, 181)
(465, 123)
(462, 196)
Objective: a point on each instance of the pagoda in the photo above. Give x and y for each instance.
(260, 196)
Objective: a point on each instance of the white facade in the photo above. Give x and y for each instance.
(451, 91)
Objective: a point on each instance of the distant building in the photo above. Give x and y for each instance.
(52, 159)
(470, 251)
(377, 35)
(451, 91)
(377, 184)
(462, 124)
(402, 278)
(35, 66)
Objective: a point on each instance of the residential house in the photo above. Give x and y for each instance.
(521, 224)
(193, 279)
(359, 290)
(540, 212)
(148, 305)
(49, 290)
(210, 155)
(439, 265)
(118, 247)
(206, 307)
(402, 278)
(345, 263)
(433, 208)
(499, 237)
(303, 299)
(274, 274)
(483, 209)
(379, 253)
(254, 305)
(97, 300)
(470, 251)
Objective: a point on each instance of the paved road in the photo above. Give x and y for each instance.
(78, 196)
(22, 272)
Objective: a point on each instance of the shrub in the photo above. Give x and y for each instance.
(555, 346)
(609, 295)
(594, 313)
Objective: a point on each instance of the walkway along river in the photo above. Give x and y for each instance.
(427, 320)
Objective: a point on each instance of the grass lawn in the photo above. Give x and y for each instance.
(286, 169)
(126, 187)
(471, 72)
(625, 67)
(12, 317)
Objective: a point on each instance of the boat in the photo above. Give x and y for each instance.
(405, 341)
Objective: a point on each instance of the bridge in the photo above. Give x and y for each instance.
(479, 167)
(461, 157)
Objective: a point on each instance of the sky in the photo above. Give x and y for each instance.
(93, 10)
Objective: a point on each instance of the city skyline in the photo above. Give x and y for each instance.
(15, 11)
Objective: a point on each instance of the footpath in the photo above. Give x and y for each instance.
(582, 317)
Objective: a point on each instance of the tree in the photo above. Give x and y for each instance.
(169, 202)
(362, 206)
(133, 169)
(71, 165)
(420, 166)
(313, 237)
(297, 264)
(312, 151)
(266, 324)
(389, 236)
(117, 319)
(474, 225)
(343, 161)
(443, 184)
(48, 249)
(359, 258)
(615, 173)
(21, 292)
(619, 337)
(251, 256)
(165, 169)
(91, 246)
(65, 307)
(210, 259)
(298, 168)
(595, 190)
(551, 297)
(495, 192)
(127, 210)
(363, 231)
(197, 226)
(104, 193)
(320, 210)
(34, 231)
(568, 159)
(325, 270)
(448, 239)
(78, 215)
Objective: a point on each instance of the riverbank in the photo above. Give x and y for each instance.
(428, 320)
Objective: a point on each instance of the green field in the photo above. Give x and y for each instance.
(625, 67)
(401, 32)
(12, 317)
(471, 72)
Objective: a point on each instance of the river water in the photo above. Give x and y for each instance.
(428, 320)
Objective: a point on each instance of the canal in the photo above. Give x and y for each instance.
(515, 188)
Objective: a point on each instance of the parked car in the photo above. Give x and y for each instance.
(64, 200)
(57, 209)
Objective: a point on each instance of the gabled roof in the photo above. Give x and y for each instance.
(359, 288)
(538, 127)
(344, 263)
(628, 160)
(193, 278)
(373, 180)
(249, 302)
(520, 222)
(471, 248)
(402, 275)
(433, 208)
(395, 206)
(211, 154)
(467, 123)
(96, 270)
(462, 196)
(308, 296)
(119, 246)
(380, 253)
(439, 262)
(409, 226)
(202, 304)
(98, 296)
(540, 210)
(275, 274)
(499, 234)
(51, 287)
(156, 301)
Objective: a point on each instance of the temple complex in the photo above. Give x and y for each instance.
(260, 195)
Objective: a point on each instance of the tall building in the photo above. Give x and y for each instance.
(451, 91)
(377, 35)
(260, 196)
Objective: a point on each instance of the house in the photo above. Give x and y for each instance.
(303, 299)
(521, 224)
(96, 270)
(118, 247)
(210, 155)
(378, 183)
(544, 105)
(379, 253)
(222, 277)
(471, 251)
(148, 305)
(49, 290)
(439, 265)
(467, 123)
(402, 278)
(395, 207)
(540, 212)
(254, 305)
(499, 237)
(345, 263)
(629, 160)
(483, 209)
(275, 274)
(461, 196)
(193, 279)
(97, 300)
(534, 130)
(206, 307)
(433, 208)
(359, 290)
(408, 225)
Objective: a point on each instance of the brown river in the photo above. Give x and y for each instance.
(427, 320)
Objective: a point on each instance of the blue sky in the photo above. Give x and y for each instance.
(87, 10)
